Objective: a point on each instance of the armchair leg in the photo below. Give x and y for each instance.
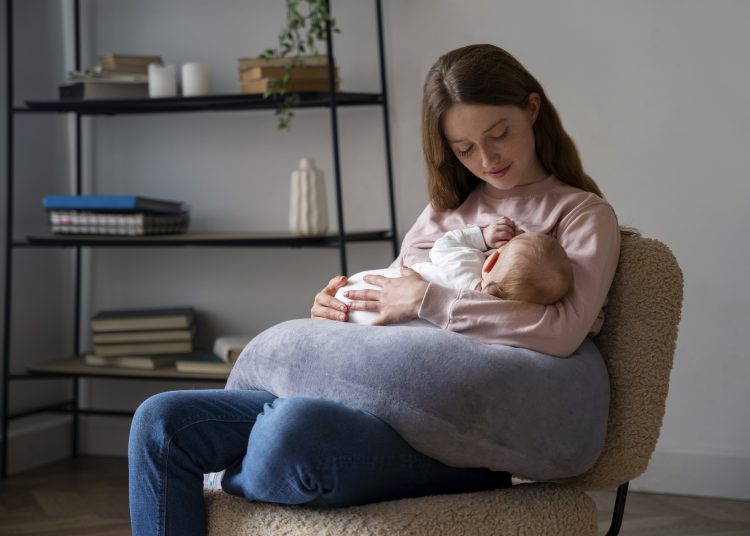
(622, 494)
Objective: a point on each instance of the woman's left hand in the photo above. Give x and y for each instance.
(398, 301)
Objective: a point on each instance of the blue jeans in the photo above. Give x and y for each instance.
(290, 451)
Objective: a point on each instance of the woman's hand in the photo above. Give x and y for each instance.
(399, 300)
(328, 307)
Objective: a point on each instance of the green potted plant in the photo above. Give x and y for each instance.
(306, 24)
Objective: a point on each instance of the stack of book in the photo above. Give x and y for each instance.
(142, 338)
(116, 76)
(310, 73)
(123, 215)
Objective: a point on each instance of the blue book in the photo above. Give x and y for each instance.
(111, 203)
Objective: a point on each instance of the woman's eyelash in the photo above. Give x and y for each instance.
(464, 154)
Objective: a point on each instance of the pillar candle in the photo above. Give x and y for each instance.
(194, 80)
(162, 80)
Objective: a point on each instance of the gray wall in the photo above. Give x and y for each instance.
(41, 323)
(652, 92)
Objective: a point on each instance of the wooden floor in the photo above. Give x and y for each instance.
(89, 496)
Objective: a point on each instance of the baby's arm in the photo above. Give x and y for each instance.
(456, 259)
(499, 233)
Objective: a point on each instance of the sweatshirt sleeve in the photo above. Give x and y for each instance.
(590, 236)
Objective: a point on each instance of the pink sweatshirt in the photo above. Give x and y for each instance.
(586, 227)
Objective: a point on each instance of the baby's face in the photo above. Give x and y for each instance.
(500, 260)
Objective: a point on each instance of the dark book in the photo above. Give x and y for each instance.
(112, 203)
(101, 89)
(202, 363)
(143, 319)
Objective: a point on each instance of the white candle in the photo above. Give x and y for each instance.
(194, 80)
(162, 80)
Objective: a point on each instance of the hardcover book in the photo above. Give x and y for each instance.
(229, 347)
(143, 348)
(117, 223)
(296, 73)
(103, 89)
(202, 363)
(143, 319)
(118, 337)
(309, 61)
(135, 361)
(112, 203)
(133, 63)
(295, 85)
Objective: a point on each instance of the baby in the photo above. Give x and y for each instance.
(522, 266)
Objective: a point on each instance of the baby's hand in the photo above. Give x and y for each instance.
(499, 233)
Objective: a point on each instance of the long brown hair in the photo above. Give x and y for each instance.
(486, 74)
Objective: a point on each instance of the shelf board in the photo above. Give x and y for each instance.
(194, 104)
(238, 239)
(76, 366)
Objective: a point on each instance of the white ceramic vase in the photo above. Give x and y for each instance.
(308, 210)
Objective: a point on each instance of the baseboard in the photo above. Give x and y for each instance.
(706, 475)
(38, 440)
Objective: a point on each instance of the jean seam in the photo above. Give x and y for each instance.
(163, 481)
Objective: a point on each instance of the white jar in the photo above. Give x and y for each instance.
(308, 210)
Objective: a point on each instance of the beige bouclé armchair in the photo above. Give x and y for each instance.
(637, 341)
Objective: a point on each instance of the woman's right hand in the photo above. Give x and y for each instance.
(326, 306)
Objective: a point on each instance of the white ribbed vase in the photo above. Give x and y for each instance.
(308, 211)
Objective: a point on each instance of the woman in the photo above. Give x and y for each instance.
(494, 146)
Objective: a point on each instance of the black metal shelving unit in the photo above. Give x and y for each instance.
(70, 368)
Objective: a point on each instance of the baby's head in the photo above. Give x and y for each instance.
(532, 267)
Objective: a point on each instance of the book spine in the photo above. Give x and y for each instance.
(266, 84)
(296, 73)
(106, 223)
(112, 203)
(310, 61)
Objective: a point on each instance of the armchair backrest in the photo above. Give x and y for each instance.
(638, 342)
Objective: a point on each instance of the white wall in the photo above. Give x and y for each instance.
(652, 92)
(655, 95)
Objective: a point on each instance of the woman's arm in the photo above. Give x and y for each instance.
(591, 238)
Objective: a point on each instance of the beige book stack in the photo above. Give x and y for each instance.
(309, 74)
(142, 338)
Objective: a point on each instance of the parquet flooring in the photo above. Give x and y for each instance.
(81, 497)
(651, 514)
(89, 496)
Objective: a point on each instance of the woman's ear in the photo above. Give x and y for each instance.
(533, 106)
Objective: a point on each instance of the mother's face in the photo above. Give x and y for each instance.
(495, 143)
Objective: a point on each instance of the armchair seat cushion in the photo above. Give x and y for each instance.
(526, 509)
